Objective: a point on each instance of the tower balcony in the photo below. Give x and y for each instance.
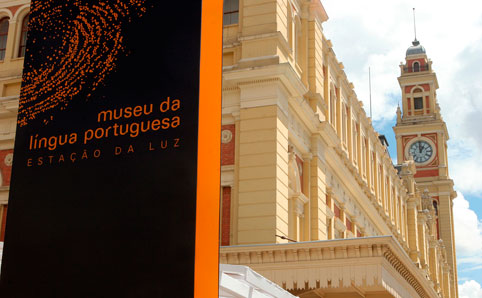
(410, 69)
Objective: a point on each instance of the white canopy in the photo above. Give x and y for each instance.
(237, 281)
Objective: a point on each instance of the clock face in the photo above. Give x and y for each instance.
(421, 151)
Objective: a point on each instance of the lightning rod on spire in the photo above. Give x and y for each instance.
(414, 24)
(370, 90)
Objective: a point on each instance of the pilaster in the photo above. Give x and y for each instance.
(306, 186)
(433, 257)
(422, 240)
(446, 226)
(263, 162)
(318, 195)
(412, 229)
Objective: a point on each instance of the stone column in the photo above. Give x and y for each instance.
(412, 232)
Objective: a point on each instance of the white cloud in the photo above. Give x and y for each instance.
(470, 289)
(465, 170)
(468, 232)
(462, 113)
(377, 33)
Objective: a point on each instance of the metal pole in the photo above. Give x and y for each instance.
(414, 24)
(370, 90)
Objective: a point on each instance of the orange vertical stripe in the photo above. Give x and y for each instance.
(207, 210)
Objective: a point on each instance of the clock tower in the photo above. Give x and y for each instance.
(422, 135)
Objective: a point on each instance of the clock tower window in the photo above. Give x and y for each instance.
(416, 67)
(418, 103)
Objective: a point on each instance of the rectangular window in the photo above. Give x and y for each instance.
(337, 211)
(332, 110)
(23, 37)
(404, 222)
(3, 37)
(379, 184)
(349, 225)
(364, 156)
(226, 216)
(231, 12)
(393, 209)
(355, 142)
(344, 123)
(372, 172)
(418, 103)
(387, 195)
(399, 215)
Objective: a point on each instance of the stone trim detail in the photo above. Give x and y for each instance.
(323, 264)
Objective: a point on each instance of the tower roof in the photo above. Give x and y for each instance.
(415, 49)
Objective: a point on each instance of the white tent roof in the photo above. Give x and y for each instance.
(242, 282)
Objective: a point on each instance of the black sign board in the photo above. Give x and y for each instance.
(105, 180)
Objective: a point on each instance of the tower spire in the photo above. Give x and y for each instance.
(414, 25)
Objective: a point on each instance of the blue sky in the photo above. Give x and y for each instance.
(376, 34)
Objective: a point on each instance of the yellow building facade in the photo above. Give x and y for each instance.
(13, 34)
(310, 196)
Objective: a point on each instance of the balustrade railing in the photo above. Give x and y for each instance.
(425, 67)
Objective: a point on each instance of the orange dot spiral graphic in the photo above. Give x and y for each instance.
(81, 49)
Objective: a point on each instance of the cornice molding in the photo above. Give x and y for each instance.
(324, 260)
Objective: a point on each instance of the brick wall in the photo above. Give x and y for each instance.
(227, 144)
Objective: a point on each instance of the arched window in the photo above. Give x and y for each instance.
(3, 37)
(416, 67)
(23, 37)
(418, 99)
(416, 90)
(435, 206)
